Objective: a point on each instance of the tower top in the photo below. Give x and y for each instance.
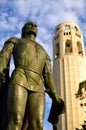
(67, 26)
(68, 39)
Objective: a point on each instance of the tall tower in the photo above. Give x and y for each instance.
(69, 69)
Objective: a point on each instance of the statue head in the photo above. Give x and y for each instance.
(29, 28)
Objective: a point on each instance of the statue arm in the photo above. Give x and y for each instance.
(48, 80)
(58, 106)
(5, 54)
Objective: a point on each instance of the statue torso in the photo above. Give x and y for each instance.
(29, 59)
(29, 54)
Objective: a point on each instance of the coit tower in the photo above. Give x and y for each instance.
(69, 69)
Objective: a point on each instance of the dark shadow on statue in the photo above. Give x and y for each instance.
(57, 109)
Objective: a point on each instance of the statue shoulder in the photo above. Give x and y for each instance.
(13, 40)
(47, 56)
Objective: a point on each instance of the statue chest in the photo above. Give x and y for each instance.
(29, 53)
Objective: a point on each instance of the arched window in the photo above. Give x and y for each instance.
(58, 29)
(67, 27)
(76, 29)
(56, 51)
(68, 46)
(79, 46)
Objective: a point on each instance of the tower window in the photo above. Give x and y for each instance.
(56, 37)
(67, 33)
(68, 46)
(57, 29)
(76, 29)
(79, 46)
(67, 27)
(56, 51)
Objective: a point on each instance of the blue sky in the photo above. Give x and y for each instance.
(47, 14)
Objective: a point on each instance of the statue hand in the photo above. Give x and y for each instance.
(54, 96)
(57, 98)
(59, 101)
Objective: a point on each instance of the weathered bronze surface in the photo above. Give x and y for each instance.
(25, 92)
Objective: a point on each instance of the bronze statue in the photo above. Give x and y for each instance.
(32, 70)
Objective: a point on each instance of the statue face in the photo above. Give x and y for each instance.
(30, 28)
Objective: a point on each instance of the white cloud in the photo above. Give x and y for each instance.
(46, 12)
(44, 34)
